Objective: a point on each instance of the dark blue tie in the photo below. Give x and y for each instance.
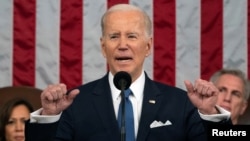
(129, 117)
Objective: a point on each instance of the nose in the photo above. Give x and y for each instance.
(227, 97)
(19, 126)
(123, 43)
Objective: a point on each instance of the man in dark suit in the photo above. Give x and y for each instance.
(160, 112)
(233, 92)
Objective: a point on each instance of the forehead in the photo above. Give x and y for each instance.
(124, 18)
(230, 81)
(20, 110)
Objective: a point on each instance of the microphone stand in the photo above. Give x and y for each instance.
(122, 81)
(123, 127)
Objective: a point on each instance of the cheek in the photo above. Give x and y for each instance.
(9, 131)
(108, 49)
(107, 53)
(237, 103)
(220, 98)
(142, 51)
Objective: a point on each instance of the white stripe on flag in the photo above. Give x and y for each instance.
(187, 41)
(47, 42)
(94, 64)
(6, 45)
(235, 34)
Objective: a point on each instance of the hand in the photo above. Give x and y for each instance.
(54, 99)
(203, 95)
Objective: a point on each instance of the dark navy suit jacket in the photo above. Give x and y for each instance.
(91, 116)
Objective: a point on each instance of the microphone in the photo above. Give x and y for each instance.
(122, 81)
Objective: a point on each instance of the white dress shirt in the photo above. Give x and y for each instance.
(137, 88)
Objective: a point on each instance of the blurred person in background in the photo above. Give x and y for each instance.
(245, 118)
(13, 116)
(233, 91)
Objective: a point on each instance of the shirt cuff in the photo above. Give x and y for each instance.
(224, 114)
(35, 117)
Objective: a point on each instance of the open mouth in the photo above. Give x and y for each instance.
(123, 58)
(19, 138)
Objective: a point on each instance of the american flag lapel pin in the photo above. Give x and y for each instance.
(152, 101)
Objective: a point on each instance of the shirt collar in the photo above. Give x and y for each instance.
(136, 87)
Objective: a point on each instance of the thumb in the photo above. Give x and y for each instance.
(72, 94)
(189, 86)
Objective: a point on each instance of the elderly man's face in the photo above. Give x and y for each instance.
(125, 43)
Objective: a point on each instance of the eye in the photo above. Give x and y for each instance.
(113, 36)
(222, 90)
(132, 36)
(23, 120)
(236, 93)
(10, 122)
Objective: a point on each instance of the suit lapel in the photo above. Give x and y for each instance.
(103, 105)
(151, 103)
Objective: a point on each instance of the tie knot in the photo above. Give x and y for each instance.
(127, 92)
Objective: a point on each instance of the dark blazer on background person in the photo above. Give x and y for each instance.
(91, 117)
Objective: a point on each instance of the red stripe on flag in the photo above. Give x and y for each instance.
(71, 42)
(113, 2)
(211, 37)
(24, 42)
(164, 41)
(248, 39)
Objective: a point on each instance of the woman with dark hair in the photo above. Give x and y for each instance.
(13, 116)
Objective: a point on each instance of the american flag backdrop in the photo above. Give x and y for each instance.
(50, 41)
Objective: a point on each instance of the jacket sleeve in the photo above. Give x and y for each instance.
(40, 132)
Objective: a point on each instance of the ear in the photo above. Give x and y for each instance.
(103, 47)
(149, 46)
(244, 107)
